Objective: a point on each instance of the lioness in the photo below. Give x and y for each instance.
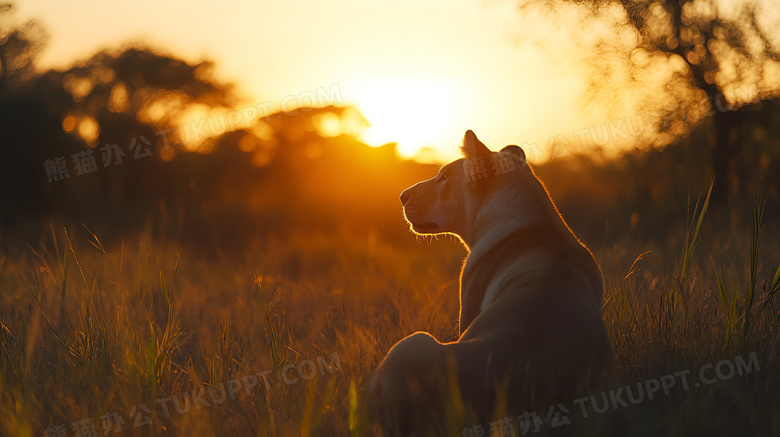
(531, 330)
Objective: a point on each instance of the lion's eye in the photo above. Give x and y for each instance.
(444, 176)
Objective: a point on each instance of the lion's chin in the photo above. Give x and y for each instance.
(426, 228)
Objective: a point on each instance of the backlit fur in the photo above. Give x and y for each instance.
(531, 330)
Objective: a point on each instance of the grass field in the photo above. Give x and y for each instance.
(205, 238)
(158, 340)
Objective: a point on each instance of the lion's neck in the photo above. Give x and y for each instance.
(502, 236)
(483, 269)
(492, 221)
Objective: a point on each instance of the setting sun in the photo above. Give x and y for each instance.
(414, 113)
(420, 88)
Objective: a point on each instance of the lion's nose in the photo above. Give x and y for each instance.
(404, 197)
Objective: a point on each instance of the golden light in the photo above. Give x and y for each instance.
(166, 153)
(328, 124)
(89, 130)
(188, 124)
(69, 123)
(118, 101)
(413, 112)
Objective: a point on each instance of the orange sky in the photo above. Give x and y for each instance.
(421, 72)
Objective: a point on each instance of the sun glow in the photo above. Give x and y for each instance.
(420, 75)
(414, 113)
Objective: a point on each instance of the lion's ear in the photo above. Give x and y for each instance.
(472, 147)
(515, 150)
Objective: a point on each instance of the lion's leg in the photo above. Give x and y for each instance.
(405, 383)
(406, 367)
(421, 379)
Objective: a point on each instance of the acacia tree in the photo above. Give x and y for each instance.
(718, 49)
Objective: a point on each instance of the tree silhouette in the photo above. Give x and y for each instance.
(722, 51)
(19, 46)
(115, 96)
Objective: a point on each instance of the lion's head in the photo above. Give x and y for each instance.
(450, 201)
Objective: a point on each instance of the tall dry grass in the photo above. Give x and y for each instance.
(88, 330)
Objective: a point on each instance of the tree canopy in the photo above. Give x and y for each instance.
(714, 59)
